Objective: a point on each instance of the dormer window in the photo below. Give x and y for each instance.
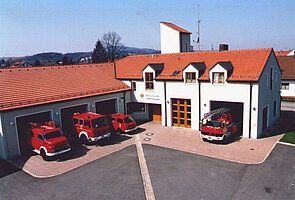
(190, 77)
(218, 77)
(149, 81)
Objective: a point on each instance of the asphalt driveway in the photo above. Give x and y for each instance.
(174, 175)
(116, 176)
(180, 175)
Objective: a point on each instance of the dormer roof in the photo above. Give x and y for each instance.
(248, 64)
(197, 65)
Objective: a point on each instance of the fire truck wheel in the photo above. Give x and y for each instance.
(204, 139)
(84, 140)
(43, 154)
(120, 131)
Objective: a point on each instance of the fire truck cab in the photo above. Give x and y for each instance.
(91, 127)
(123, 123)
(47, 140)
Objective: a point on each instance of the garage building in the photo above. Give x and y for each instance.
(40, 94)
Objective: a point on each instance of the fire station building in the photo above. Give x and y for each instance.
(179, 88)
(176, 88)
(54, 93)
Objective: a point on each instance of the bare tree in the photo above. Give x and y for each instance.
(113, 45)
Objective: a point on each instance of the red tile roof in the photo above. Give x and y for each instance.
(177, 28)
(248, 64)
(282, 53)
(17, 64)
(287, 64)
(29, 86)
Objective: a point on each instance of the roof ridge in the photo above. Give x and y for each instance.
(55, 66)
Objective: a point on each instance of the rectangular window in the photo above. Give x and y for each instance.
(285, 86)
(190, 77)
(186, 47)
(149, 81)
(133, 86)
(75, 121)
(218, 77)
(271, 78)
(274, 108)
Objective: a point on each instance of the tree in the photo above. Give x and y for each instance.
(99, 54)
(65, 60)
(113, 45)
(37, 63)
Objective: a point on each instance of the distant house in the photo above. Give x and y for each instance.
(86, 60)
(21, 64)
(287, 64)
(174, 39)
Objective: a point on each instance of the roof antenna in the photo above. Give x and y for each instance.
(199, 21)
(198, 32)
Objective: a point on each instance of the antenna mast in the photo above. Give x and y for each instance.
(199, 21)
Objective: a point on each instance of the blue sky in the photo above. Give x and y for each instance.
(34, 26)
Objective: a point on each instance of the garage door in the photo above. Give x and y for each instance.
(181, 112)
(22, 124)
(236, 109)
(155, 112)
(66, 120)
(106, 107)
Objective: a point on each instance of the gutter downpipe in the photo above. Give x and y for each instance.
(250, 109)
(199, 84)
(115, 70)
(165, 103)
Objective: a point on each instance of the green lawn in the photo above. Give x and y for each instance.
(289, 138)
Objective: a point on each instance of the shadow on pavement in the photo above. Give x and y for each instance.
(77, 151)
(282, 125)
(7, 168)
(227, 140)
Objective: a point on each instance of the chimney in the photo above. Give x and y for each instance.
(223, 47)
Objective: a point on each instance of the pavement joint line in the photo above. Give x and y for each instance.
(147, 183)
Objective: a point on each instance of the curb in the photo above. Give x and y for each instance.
(288, 144)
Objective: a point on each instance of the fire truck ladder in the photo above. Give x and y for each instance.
(215, 112)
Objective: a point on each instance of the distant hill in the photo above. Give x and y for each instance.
(54, 57)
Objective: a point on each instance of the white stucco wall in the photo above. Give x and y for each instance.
(182, 90)
(228, 92)
(291, 91)
(170, 40)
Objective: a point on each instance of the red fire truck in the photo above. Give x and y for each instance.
(91, 127)
(123, 123)
(218, 125)
(47, 140)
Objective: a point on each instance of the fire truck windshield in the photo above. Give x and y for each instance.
(99, 122)
(53, 134)
(128, 119)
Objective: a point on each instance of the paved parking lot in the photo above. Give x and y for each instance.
(180, 175)
(242, 150)
(115, 176)
(80, 155)
(174, 175)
